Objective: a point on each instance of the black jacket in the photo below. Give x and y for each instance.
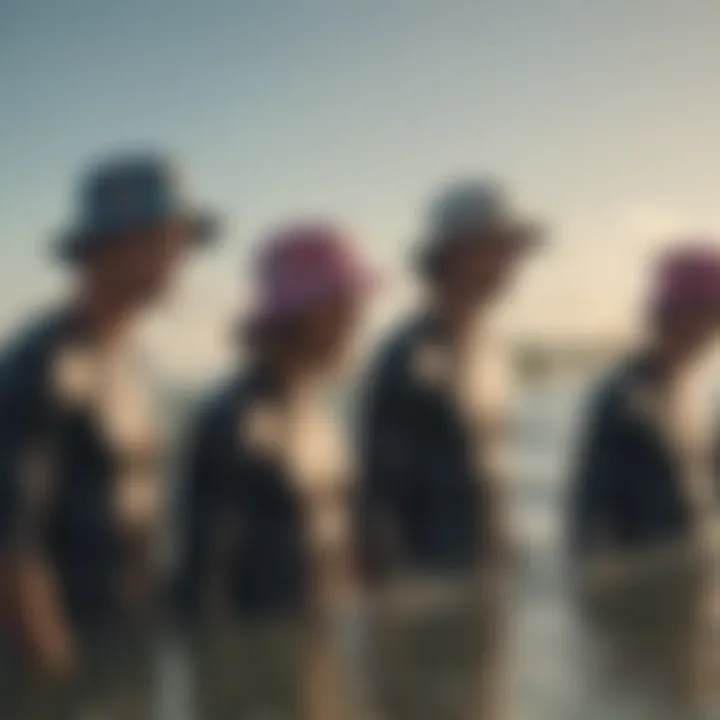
(421, 500)
(626, 492)
(242, 520)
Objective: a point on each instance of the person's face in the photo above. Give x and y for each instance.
(139, 268)
(478, 274)
(327, 331)
(692, 332)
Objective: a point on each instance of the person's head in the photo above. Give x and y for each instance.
(474, 274)
(133, 230)
(137, 267)
(312, 292)
(684, 309)
(474, 243)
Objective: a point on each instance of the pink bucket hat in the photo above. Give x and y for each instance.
(302, 265)
(688, 278)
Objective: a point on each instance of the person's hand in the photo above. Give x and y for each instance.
(503, 553)
(605, 572)
(57, 655)
(705, 538)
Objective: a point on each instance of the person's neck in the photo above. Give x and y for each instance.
(456, 316)
(101, 318)
(669, 360)
(290, 369)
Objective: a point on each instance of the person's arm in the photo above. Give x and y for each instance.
(194, 505)
(496, 543)
(27, 480)
(597, 467)
(602, 466)
(387, 451)
(203, 516)
(44, 627)
(605, 463)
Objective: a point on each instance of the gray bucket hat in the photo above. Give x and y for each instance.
(478, 213)
(126, 193)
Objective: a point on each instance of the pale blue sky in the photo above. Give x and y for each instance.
(604, 116)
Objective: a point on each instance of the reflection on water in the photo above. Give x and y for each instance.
(440, 655)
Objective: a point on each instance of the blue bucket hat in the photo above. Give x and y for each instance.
(127, 193)
(478, 212)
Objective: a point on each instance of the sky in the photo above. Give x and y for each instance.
(602, 117)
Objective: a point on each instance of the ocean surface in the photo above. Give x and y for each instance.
(639, 657)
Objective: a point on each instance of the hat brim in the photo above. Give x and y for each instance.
(262, 320)
(521, 236)
(680, 309)
(202, 230)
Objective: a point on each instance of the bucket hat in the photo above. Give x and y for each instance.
(125, 193)
(475, 212)
(302, 265)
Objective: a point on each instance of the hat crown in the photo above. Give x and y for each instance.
(691, 255)
(125, 193)
(469, 205)
(688, 274)
(128, 190)
(309, 249)
(303, 264)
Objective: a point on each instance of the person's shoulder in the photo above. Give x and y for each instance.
(231, 397)
(32, 336)
(612, 392)
(27, 351)
(392, 356)
(216, 404)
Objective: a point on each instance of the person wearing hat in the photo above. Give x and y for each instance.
(267, 529)
(431, 423)
(643, 497)
(81, 449)
(638, 423)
